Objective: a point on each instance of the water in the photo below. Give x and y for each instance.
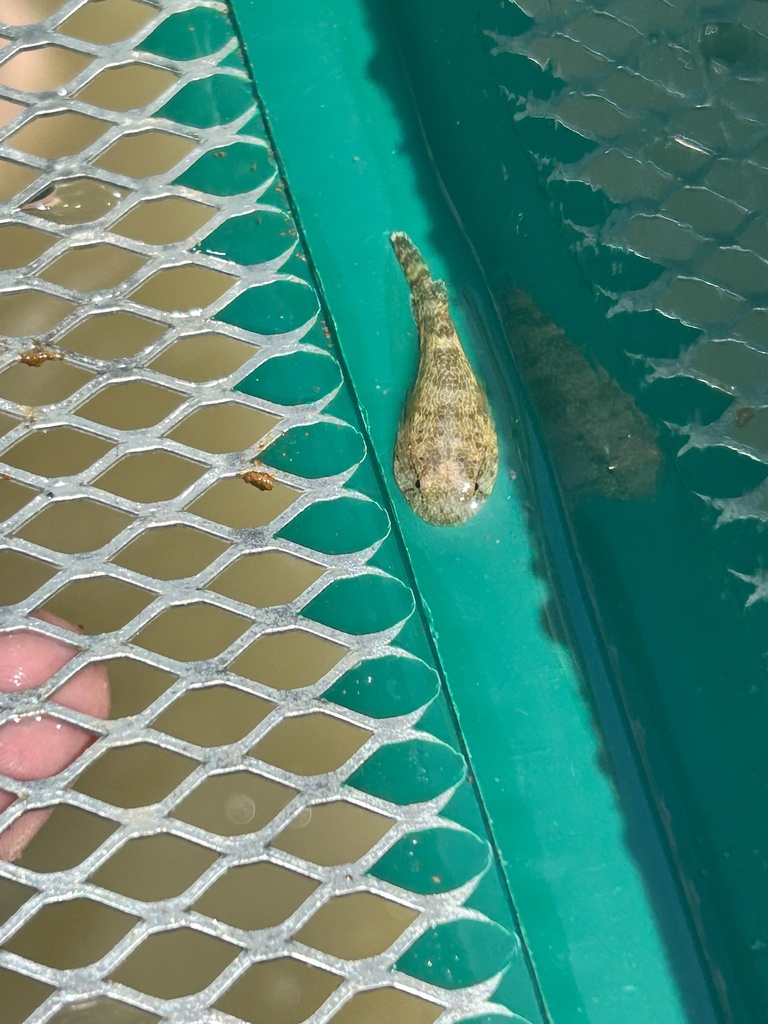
(666, 585)
(78, 201)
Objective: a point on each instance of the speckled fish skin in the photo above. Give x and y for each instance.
(446, 453)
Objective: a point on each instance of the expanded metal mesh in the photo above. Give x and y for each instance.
(170, 455)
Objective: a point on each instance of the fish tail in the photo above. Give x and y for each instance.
(410, 259)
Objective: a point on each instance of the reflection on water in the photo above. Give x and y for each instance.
(599, 440)
(75, 202)
(661, 182)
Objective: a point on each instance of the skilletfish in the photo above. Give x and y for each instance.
(446, 452)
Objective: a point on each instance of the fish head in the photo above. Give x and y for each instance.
(448, 492)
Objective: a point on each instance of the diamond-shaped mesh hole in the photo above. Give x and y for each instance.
(68, 837)
(20, 244)
(332, 833)
(93, 268)
(310, 744)
(13, 178)
(227, 427)
(234, 804)
(383, 1005)
(235, 504)
(7, 423)
(150, 476)
(255, 896)
(135, 775)
(170, 552)
(75, 526)
(284, 991)
(12, 896)
(189, 34)
(288, 660)
(13, 496)
(153, 867)
(112, 335)
(356, 925)
(267, 578)
(181, 289)
(161, 221)
(110, 21)
(192, 632)
(100, 604)
(61, 134)
(143, 154)
(21, 575)
(126, 88)
(134, 685)
(203, 357)
(21, 995)
(58, 452)
(52, 381)
(41, 68)
(71, 934)
(213, 717)
(31, 313)
(175, 963)
(131, 406)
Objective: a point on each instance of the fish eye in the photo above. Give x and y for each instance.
(418, 485)
(477, 487)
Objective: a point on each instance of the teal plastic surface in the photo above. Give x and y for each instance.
(320, 449)
(207, 102)
(195, 33)
(385, 687)
(231, 169)
(453, 954)
(600, 914)
(252, 238)
(295, 379)
(364, 604)
(434, 860)
(338, 527)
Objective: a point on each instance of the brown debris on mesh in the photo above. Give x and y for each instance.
(259, 478)
(38, 355)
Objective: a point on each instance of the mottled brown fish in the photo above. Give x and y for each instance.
(599, 440)
(446, 453)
